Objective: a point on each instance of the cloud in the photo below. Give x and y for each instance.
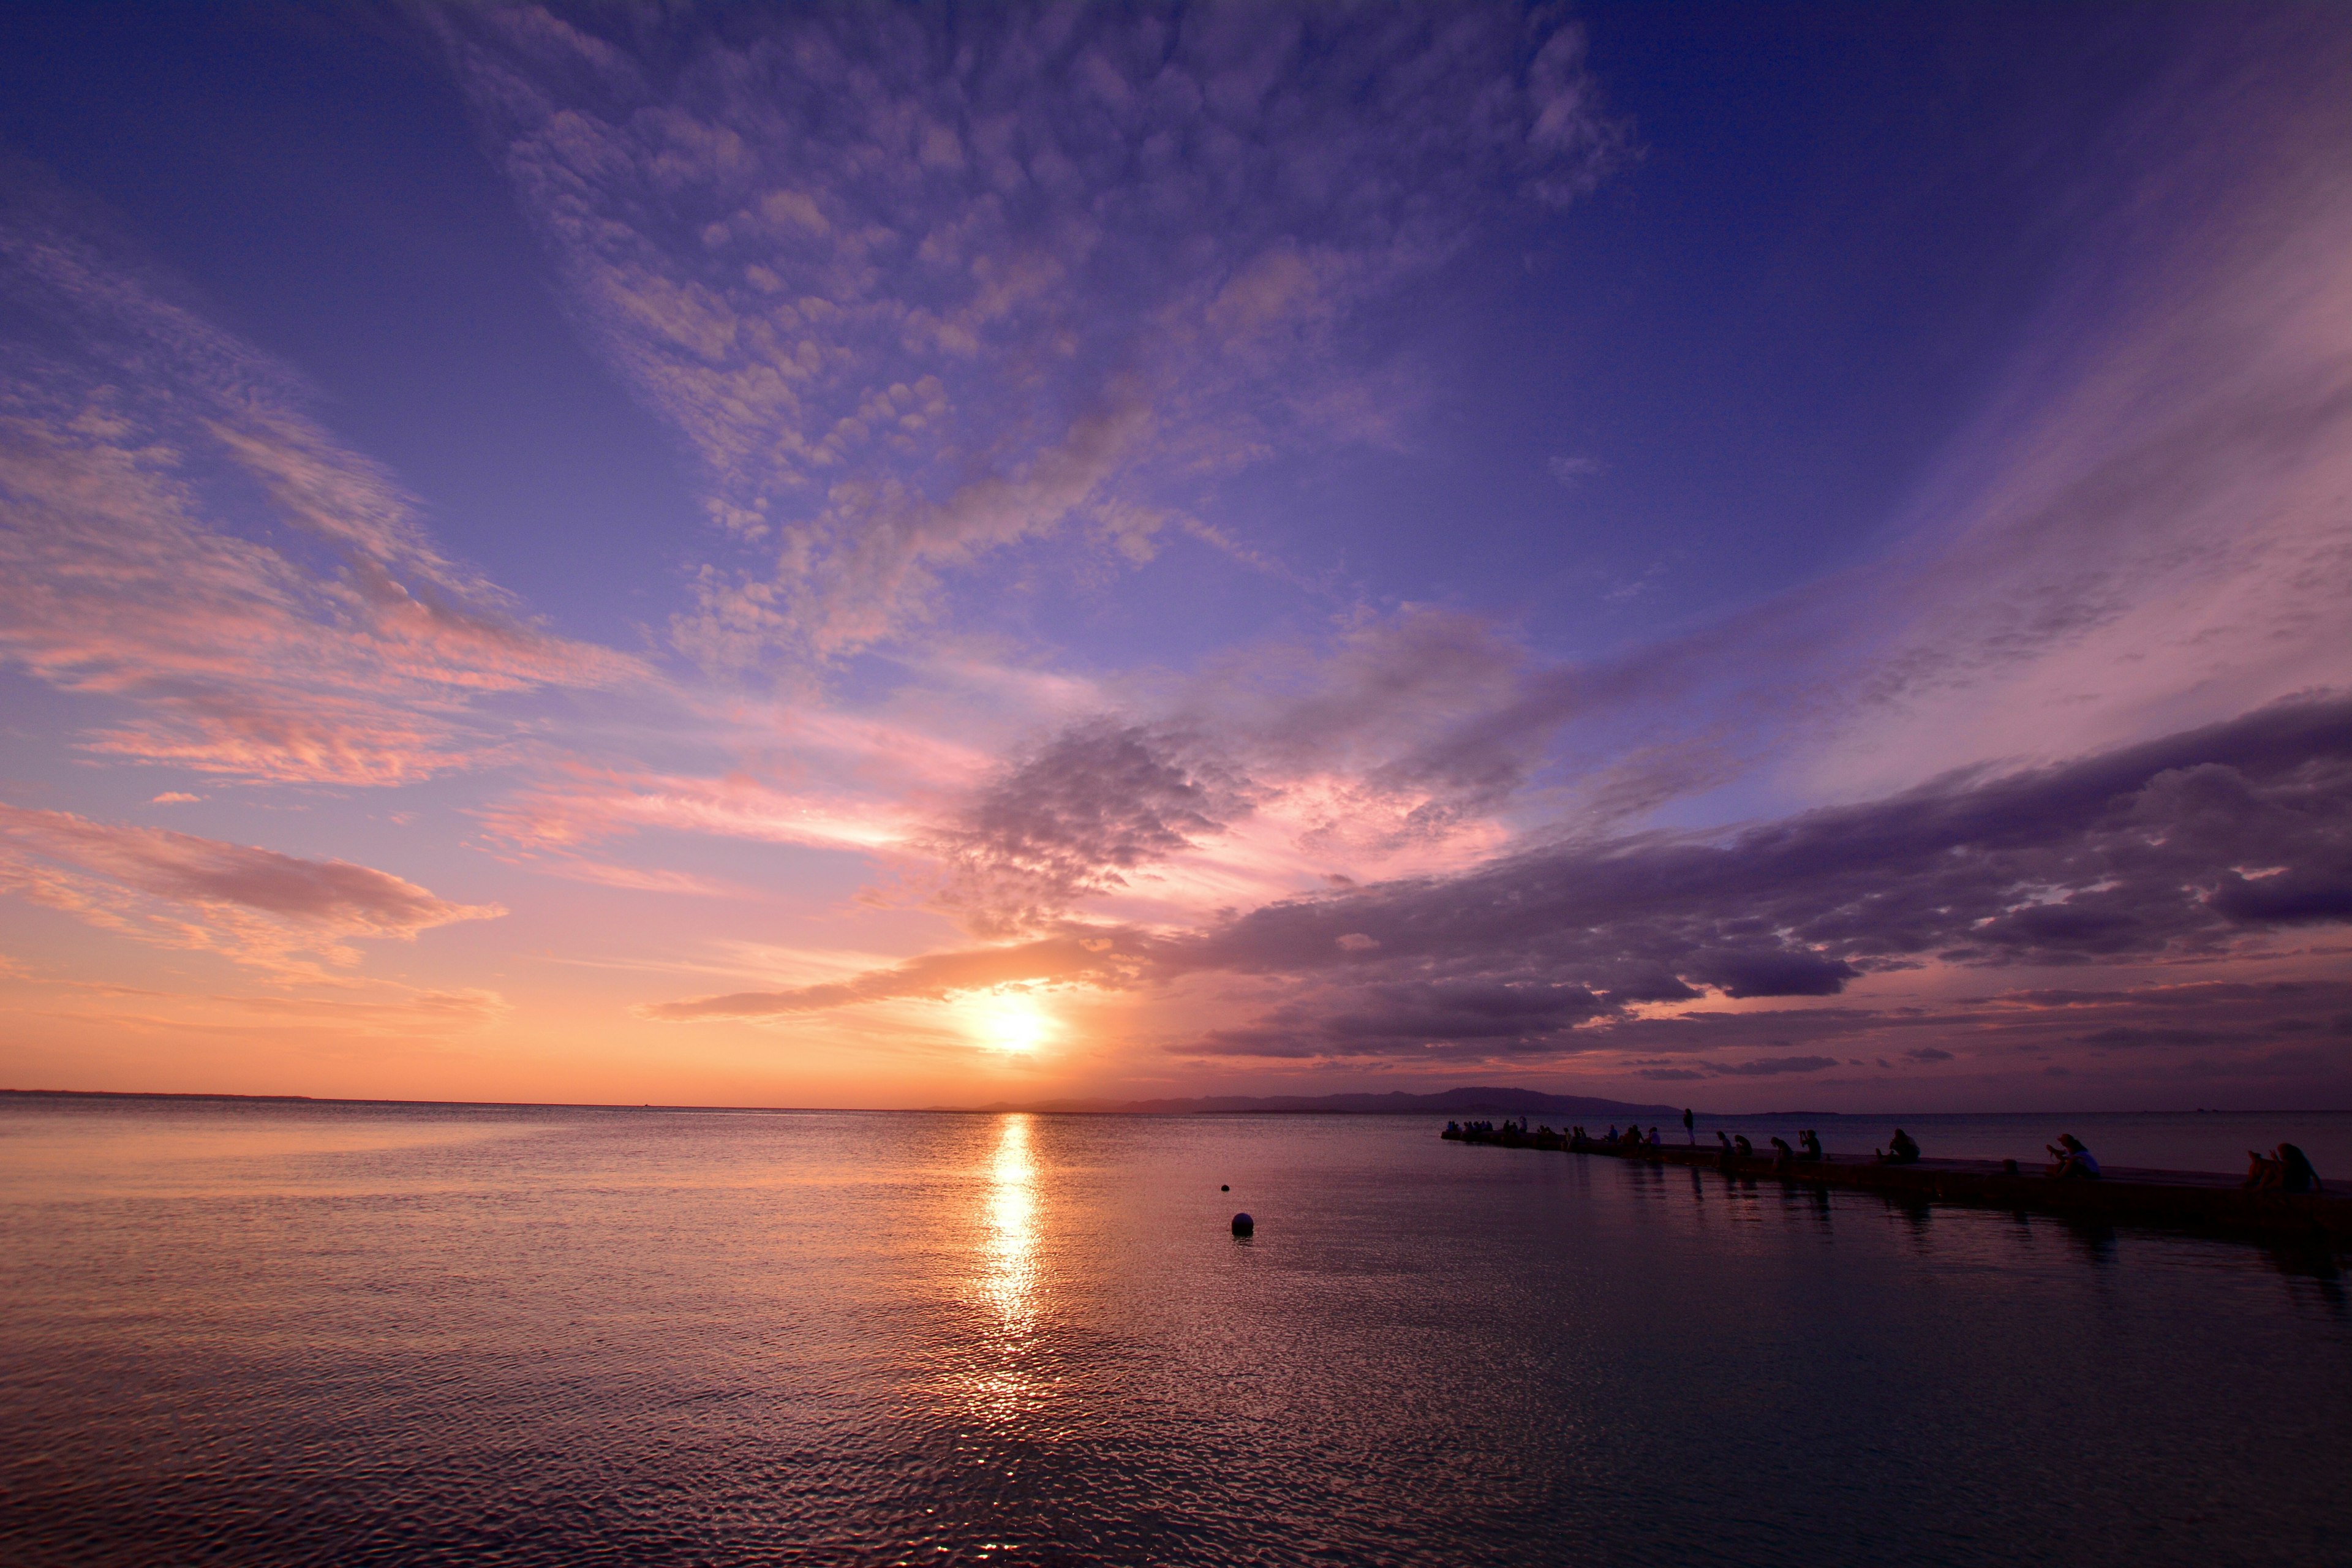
(1424, 1021)
(1101, 958)
(2144, 528)
(1777, 972)
(2132, 856)
(919, 287)
(1770, 1067)
(255, 905)
(1076, 817)
(1572, 471)
(174, 797)
(144, 456)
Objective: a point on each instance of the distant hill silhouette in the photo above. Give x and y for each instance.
(1451, 1103)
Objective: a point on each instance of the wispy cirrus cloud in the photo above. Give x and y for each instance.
(278, 913)
(1090, 956)
(2144, 529)
(376, 1011)
(145, 456)
(919, 286)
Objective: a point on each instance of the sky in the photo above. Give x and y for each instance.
(886, 555)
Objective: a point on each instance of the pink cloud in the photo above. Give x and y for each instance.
(129, 572)
(255, 905)
(1097, 957)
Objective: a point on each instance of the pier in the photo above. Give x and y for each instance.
(2177, 1200)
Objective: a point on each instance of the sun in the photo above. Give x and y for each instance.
(1012, 1023)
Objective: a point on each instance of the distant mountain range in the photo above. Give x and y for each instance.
(1451, 1102)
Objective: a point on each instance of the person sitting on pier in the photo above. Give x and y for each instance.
(1781, 1153)
(1809, 1146)
(1901, 1149)
(1653, 1137)
(2073, 1162)
(1746, 1150)
(1612, 1136)
(2296, 1170)
(2263, 1175)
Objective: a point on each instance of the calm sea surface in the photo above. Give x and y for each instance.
(245, 1335)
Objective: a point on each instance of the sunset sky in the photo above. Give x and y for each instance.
(888, 556)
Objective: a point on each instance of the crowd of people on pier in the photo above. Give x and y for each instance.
(2286, 1168)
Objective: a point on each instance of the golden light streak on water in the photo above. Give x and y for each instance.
(1001, 1387)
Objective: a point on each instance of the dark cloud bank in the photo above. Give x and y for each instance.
(2170, 853)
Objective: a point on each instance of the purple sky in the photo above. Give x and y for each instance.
(891, 556)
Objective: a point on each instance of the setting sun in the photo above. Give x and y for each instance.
(1010, 1022)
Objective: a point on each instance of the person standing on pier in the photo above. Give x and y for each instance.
(1690, 1125)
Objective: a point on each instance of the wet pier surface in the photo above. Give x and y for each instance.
(2181, 1200)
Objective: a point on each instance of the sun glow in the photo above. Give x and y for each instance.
(1010, 1022)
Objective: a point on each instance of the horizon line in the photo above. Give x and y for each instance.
(1002, 1109)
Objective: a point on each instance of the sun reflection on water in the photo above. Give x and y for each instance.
(1010, 1280)
(1001, 1383)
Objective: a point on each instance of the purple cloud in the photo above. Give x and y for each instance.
(1092, 804)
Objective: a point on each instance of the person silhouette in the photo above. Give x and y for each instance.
(1690, 1126)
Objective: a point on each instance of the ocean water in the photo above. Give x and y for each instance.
(233, 1334)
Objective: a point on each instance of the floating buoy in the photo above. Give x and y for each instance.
(1226, 1188)
(1244, 1225)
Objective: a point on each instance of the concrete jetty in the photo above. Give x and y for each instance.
(2178, 1200)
